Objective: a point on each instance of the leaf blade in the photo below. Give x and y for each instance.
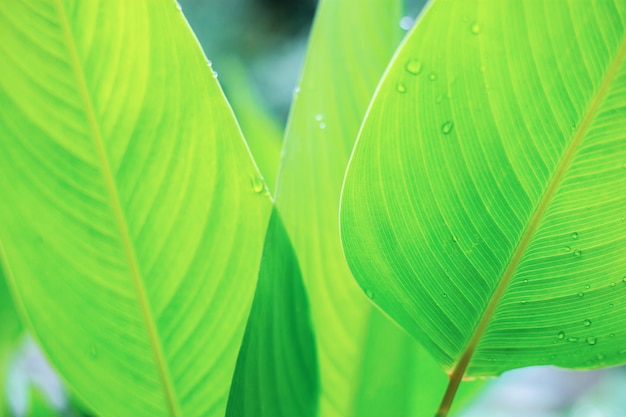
(145, 183)
(493, 129)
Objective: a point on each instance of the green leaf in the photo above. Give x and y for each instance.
(484, 205)
(276, 371)
(132, 215)
(365, 360)
(262, 132)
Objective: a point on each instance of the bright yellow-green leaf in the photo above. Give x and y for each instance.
(484, 204)
(132, 216)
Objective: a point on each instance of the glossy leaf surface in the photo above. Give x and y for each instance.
(365, 360)
(484, 206)
(132, 216)
(276, 373)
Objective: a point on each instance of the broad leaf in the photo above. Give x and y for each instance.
(276, 373)
(484, 206)
(365, 360)
(132, 216)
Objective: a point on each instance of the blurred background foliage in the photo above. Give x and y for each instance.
(257, 48)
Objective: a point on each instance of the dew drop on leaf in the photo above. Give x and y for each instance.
(568, 249)
(575, 235)
(592, 340)
(322, 125)
(447, 127)
(369, 293)
(578, 253)
(561, 335)
(572, 339)
(413, 66)
(319, 117)
(600, 356)
(475, 28)
(432, 76)
(587, 286)
(93, 351)
(257, 184)
(581, 294)
(587, 323)
(400, 88)
(624, 280)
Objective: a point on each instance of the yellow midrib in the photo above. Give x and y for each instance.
(461, 366)
(172, 402)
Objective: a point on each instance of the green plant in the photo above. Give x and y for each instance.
(483, 207)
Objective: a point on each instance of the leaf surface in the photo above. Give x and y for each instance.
(365, 360)
(132, 215)
(484, 205)
(277, 373)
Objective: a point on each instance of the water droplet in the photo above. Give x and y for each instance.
(444, 295)
(369, 293)
(552, 356)
(406, 22)
(611, 305)
(296, 89)
(413, 66)
(578, 253)
(600, 356)
(592, 340)
(525, 281)
(257, 184)
(612, 335)
(319, 117)
(475, 28)
(446, 128)
(432, 76)
(523, 302)
(587, 286)
(400, 88)
(624, 279)
(215, 74)
(568, 248)
(587, 323)
(612, 284)
(561, 335)
(572, 339)
(581, 294)
(322, 125)
(575, 235)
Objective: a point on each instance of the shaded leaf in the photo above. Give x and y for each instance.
(276, 371)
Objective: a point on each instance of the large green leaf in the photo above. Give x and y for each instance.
(276, 373)
(132, 216)
(365, 360)
(484, 206)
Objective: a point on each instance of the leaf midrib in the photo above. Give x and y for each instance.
(144, 303)
(458, 372)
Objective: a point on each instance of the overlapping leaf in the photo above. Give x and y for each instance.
(277, 373)
(132, 216)
(367, 365)
(484, 206)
